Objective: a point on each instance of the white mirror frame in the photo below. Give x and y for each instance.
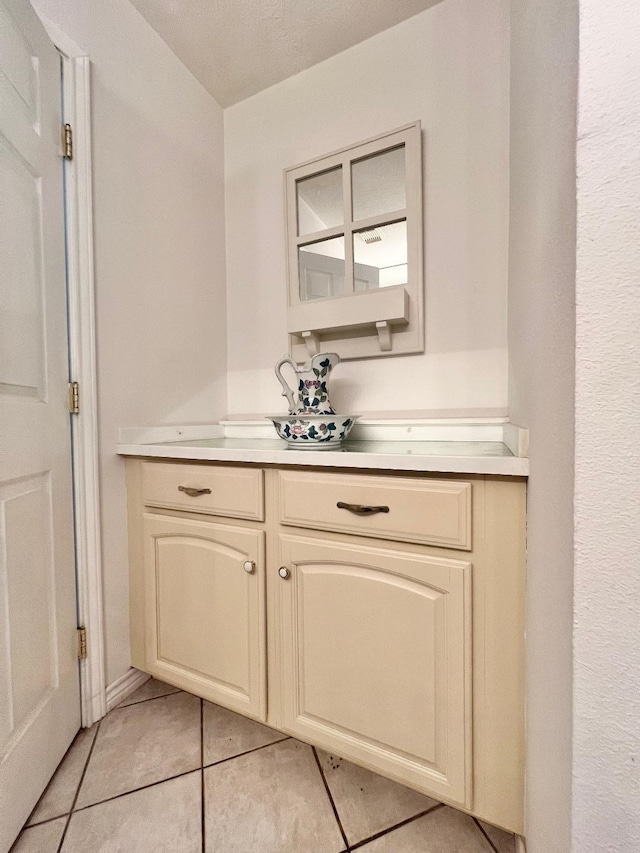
(371, 323)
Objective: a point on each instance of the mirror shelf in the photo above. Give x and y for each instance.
(354, 249)
(389, 307)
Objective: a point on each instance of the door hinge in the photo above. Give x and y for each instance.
(67, 142)
(82, 643)
(74, 398)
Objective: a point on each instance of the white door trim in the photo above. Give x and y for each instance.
(82, 351)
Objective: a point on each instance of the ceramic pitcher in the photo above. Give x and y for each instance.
(311, 395)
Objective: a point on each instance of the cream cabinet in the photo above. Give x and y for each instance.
(197, 573)
(376, 659)
(205, 609)
(387, 610)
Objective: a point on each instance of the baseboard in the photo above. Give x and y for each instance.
(521, 847)
(124, 686)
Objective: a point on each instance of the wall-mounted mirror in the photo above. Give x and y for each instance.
(354, 231)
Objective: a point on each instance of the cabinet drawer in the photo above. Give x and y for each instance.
(222, 489)
(430, 512)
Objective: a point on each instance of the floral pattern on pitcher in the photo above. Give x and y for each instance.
(312, 392)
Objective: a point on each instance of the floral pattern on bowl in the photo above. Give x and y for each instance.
(313, 431)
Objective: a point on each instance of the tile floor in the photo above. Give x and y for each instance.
(166, 772)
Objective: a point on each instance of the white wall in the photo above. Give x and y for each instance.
(159, 254)
(449, 67)
(606, 788)
(541, 385)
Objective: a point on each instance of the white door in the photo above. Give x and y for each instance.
(39, 690)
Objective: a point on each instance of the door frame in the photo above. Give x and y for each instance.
(76, 70)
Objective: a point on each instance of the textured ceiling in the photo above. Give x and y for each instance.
(239, 47)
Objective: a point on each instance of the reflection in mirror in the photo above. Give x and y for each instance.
(320, 202)
(321, 268)
(378, 184)
(380, 256)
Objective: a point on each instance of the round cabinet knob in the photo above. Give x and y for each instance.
(284, 572)
(249, 566)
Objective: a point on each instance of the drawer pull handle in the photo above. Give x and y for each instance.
(284, 573)
(193, 493)
(362, 509)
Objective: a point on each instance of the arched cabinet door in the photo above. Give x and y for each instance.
(376, 659)
(205, 610)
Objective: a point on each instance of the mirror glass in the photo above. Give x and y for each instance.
(321, 269)
(378, 184)
(320, 202)
(380, 256)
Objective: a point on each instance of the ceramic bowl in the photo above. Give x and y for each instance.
(313, 432)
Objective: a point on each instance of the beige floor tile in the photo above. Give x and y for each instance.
(271, 801)
(58, 796)
(40, 839)
(504, 842)
(165, 818)
(226, 734)
(151, 689)
(368, 803)
(443, 831)
(142, 744)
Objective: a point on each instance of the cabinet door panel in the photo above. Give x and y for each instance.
(205, 613)
(376, 653)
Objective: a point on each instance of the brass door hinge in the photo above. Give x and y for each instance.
(82, 643)
(67, 142)
(74, 398)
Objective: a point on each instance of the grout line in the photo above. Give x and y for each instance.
(202, 811)
(42, 822)
(396, 826)
(491, 844)
(49, 784)
(75, 798)
(176, 776)
(149, 699)
(134, 790)
(246, 752)
(331, 800)
(201, 734)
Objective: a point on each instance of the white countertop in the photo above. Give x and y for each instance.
(213, 444)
